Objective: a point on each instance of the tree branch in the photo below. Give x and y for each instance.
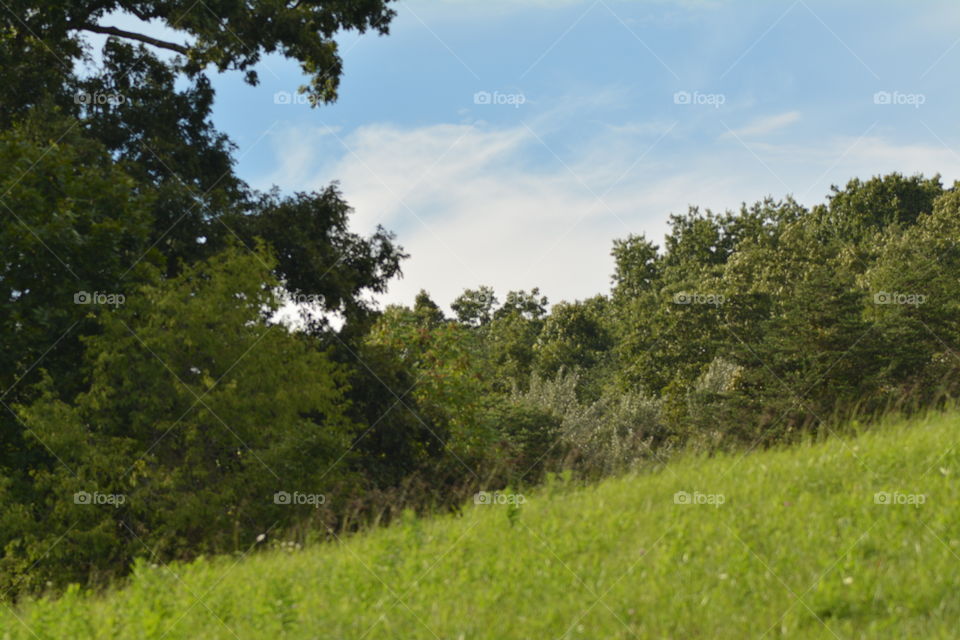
(139, 14)
(120, 33)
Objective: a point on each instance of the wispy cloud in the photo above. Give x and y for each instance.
(764, 126)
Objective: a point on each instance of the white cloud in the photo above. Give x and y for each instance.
(472, 207)
(763, 126)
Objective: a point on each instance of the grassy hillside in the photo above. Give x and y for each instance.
(794, 543)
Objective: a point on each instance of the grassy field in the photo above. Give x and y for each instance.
(848, 538)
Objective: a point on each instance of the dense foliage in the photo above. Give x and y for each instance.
(153, 406)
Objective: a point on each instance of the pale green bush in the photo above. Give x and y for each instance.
(602, 437)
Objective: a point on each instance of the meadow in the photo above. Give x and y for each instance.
(853, 536)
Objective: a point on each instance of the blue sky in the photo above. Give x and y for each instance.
(596, 119)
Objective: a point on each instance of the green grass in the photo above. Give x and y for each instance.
(798, 549)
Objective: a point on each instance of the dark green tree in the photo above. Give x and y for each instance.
(222, 34)
(475, 307)
(198, 412)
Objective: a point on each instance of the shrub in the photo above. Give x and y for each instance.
(600, 437)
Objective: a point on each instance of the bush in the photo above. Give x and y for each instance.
(600, 437)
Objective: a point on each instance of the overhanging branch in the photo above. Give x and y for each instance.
(120, 33)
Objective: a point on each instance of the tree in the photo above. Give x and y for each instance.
(863, 206)
(427, 310)
(816, 353)
(225, 34)
(318, 258)
(198, 412)
(637, 267)
(164, 138)
(475, 307)
(914, 299)
(531, 306)
(74, 224)
(97, 191)
(577, 337)
(133, 199)
(449, 378)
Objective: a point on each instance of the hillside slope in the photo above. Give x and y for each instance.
(848, 538)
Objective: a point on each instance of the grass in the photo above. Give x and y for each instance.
(799, 548)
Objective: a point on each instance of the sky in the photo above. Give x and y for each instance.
(509, 142)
